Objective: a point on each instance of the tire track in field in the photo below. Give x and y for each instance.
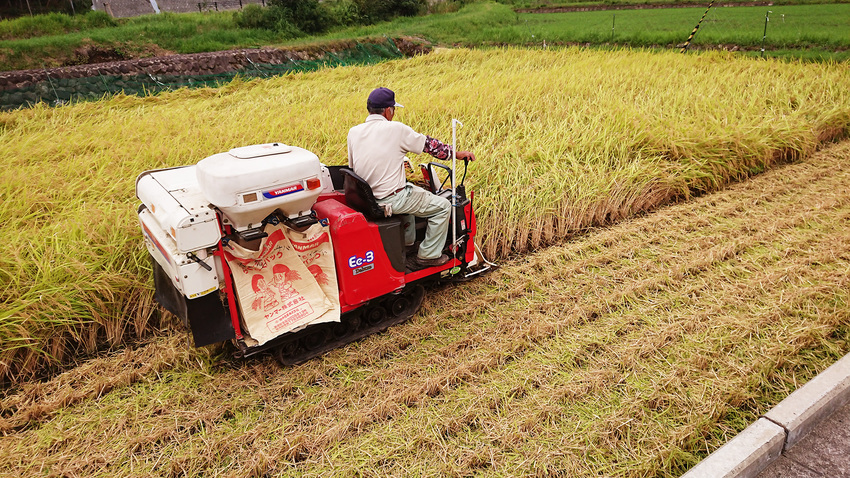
(467, 338)
(39, 401)
(620, 347)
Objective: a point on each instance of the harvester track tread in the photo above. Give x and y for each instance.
(369, 319)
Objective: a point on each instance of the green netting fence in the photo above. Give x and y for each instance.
(59, 91)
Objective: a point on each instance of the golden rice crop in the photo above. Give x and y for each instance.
(566, 139)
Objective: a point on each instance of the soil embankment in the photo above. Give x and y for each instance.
(195, 64)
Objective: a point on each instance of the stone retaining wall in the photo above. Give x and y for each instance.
(197, 63)
(151, 75)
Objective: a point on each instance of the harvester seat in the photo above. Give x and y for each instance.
(358, 195)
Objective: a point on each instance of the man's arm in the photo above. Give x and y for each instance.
(440, 150)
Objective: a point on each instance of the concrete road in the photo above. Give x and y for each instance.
(823, 453)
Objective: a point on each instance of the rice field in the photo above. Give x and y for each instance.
(566, 140)
(631, 351)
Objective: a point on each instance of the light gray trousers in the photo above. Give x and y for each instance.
(413, 201)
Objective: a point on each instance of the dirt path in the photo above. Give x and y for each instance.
(632, 351)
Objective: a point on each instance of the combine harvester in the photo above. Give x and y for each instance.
(268, 248)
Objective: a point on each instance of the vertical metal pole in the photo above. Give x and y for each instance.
(614, 19)
(454, 184)
(766, 19)
(52, 87)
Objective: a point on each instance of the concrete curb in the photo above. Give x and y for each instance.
(752, 450)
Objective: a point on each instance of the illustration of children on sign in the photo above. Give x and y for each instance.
(264, 295)
(283, 278)
(319, 274)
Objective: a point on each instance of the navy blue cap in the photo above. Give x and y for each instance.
(382, 98)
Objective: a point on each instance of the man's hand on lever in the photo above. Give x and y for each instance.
(465, 155)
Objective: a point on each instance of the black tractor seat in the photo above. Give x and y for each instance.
(359, 196)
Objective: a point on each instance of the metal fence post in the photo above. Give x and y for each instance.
(764, 36)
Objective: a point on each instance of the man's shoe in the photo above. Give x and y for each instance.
(424, 263)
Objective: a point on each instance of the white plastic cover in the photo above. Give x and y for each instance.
(249, 183)
(174, 200)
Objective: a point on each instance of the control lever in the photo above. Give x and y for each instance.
(191, 255)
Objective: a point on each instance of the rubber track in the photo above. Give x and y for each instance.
(372, 318)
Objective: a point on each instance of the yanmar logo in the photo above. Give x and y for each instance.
(304, 246)
(273, 193)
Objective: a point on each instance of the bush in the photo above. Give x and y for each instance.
(271, 18)
(52, 24)
(447, 6)
(373, 11)
(99, 19)
(297, 17)
(308, 15)
(344, 12)
(252, 16)
(38, 25)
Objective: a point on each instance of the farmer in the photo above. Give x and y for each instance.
(376, 153)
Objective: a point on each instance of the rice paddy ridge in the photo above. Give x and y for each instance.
(557, 363)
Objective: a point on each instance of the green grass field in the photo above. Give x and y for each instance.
(816, 31)
(548, 4)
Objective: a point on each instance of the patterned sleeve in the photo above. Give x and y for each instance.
(437, 148)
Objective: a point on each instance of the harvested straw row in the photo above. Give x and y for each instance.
(632, 351)
(567, 139)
